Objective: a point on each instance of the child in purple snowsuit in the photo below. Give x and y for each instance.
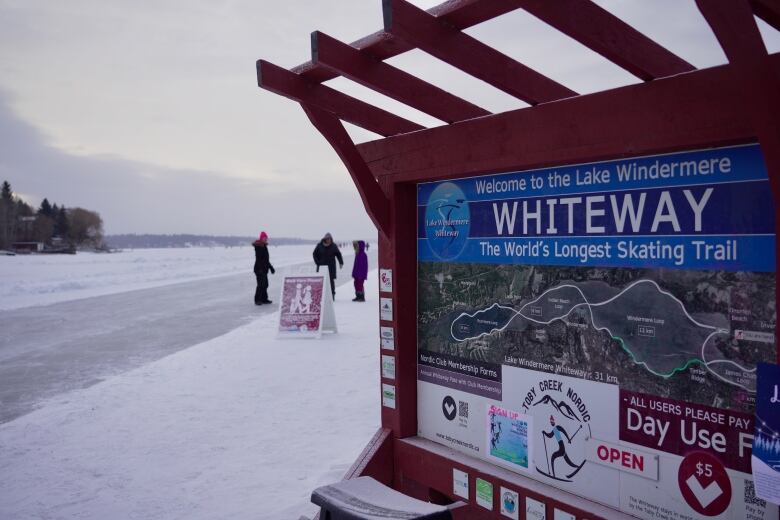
(360, 270)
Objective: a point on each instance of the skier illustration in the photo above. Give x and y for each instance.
(495, 433)
(558, 432)
(494, 440)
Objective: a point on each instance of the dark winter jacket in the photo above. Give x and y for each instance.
(360, 267)
(262, 261)
(327, 255)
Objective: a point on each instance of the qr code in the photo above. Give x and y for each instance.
(750, 495)
(463, 409)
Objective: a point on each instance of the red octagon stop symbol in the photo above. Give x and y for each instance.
(704, 483)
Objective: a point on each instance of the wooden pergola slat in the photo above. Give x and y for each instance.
(460, 14)
(420, 29)
(290, 85)
(609, 36)
(767, 10)
(390, 81)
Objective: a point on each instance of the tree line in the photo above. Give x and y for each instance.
(53, 225)
(136, 241)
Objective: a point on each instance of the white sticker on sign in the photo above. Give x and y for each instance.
(510, 503)
(386, 309)
(460, 483)
(387, 335)
(534, 510)
(563, 515)
(388, 367)
(484, 493)
(386, 280)
(388, 396)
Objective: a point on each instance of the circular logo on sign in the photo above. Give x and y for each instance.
(704, 483)
(449, 407)
(447, 221)
(508, 501)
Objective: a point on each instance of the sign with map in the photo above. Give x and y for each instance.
(607, 318)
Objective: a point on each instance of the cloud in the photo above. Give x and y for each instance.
(168, 132)
(137, 197)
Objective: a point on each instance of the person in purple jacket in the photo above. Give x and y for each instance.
(360, 270)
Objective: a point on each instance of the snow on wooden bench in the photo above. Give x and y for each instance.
(364, 498)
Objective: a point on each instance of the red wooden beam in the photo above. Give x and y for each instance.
(608, 35)
(374, 200)
(460, 14)
(421, 30)
(767, 10)
(291, 85)
(390, 81)
(701, 108)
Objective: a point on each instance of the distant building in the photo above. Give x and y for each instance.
(27, 247)
(26, 227)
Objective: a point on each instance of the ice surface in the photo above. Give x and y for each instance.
(43, 279)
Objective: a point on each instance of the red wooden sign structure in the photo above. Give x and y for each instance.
(675, 108)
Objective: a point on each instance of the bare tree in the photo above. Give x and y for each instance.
(85, 227)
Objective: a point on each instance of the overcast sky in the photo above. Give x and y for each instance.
(149, 113)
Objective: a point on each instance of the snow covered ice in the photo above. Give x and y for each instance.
(243, 425)
(45, 279)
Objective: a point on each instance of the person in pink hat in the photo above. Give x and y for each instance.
(262, 266)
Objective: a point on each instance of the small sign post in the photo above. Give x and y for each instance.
(305, 309)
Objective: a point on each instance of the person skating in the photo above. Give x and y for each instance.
(326, 253)
(360, 270)
(262, 266)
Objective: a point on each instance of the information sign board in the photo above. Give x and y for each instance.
(305, 306)
(601, 326)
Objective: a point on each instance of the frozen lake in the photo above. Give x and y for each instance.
(162, 392)
(143, 312)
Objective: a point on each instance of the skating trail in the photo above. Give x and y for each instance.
(51, 349)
